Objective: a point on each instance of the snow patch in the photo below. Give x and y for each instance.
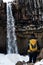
(12, 59)
(16, 57)
(39, 62)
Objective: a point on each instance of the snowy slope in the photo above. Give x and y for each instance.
(12, 59)
(39, 63)
(4, 60)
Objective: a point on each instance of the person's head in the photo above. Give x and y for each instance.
(32, 36)
(33, 39)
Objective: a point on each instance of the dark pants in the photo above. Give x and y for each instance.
(32, 57)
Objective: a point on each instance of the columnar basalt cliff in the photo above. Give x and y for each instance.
(28, 20)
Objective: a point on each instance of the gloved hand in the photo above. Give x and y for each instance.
(28, 51)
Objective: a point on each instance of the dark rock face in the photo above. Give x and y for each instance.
(3, 14)
(25, 25)
(3, 27)
(40, 56)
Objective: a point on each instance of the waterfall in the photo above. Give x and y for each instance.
(11, 37)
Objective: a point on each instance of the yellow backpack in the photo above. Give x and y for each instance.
(33, 45)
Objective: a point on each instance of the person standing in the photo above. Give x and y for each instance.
(33, 48)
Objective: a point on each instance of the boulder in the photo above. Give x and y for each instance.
(24, 63)
(19, 63)
(30, 64)
(40, 56)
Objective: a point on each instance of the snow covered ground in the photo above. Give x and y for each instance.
(12, 59)
(39, 62)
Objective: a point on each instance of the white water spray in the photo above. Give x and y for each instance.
(11, 37)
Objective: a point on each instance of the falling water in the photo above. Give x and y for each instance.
(11, 37)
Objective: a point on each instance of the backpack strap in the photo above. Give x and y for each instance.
(33, 48)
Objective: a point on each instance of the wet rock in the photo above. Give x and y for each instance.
(30, 64)
(19, 63)
(24, 63)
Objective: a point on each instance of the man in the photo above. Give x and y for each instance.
(33, 48)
